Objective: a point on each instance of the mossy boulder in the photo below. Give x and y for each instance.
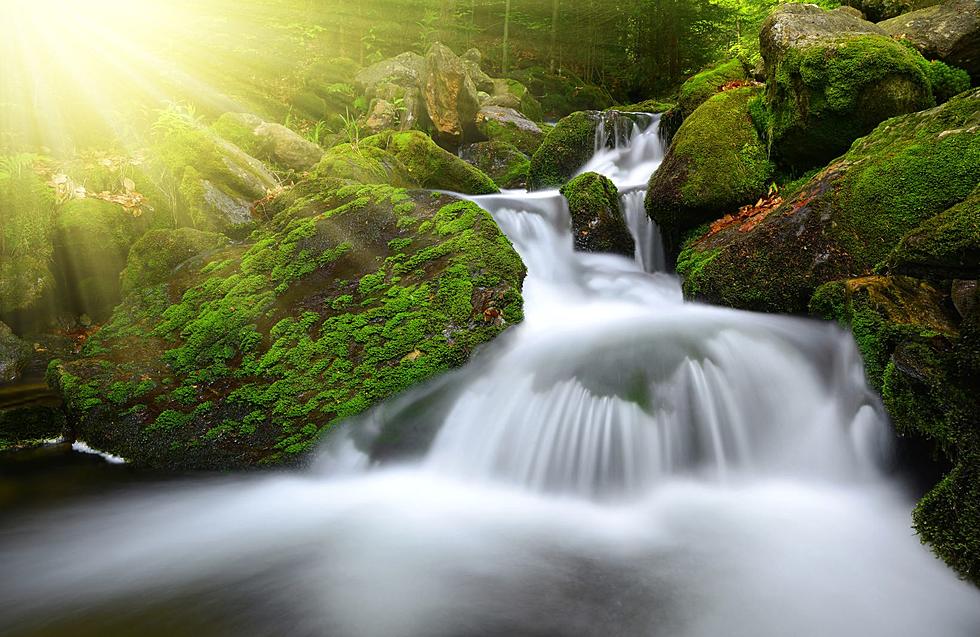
(501, 124)
(218, 182)
(429, 166)
(502, 162)
(831, 79)
(268, 141)
(715, 164)
(878, 10)
(925, 360)
(845, 220)
(364, 164)
(597, 219)
(27, 217)
(349, 296)
(947, 31)
(154, 257)
(945, 247)
(14, 354)
(701, 86)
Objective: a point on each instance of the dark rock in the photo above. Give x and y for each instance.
(502, 162)
(14, 355)
(597, 220)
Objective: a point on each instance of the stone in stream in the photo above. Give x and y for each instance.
(502, 162)
(597, 220)
(501, 124)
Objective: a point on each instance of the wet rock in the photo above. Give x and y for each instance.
(948, 31)
(831, 79)
(597, 220)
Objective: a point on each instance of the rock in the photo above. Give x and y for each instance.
(406, 69)
(502, 162)
(845, 220)
(510, 93)
(430, 166)
(965, 296)
(218, 181)
(507, 125)
(715, 164)
(597, 220)
(471, 61)
(832, 79)
(851, 11)
(153, 259)
(699, 88)
(928, 370)
(559, 95)
(14, 355)
(450, 96)
(268, 141)
(407, 102)
(27, 215)
(878, 10)
(349, 296)
(948, 31)
(945, 247)
(381, 116)
(364, 165)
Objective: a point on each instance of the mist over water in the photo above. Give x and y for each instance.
(622, 463)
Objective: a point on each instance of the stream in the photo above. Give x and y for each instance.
(622, 463)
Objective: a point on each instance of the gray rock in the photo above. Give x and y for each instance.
(949, 31)
(497, 123)
(14, 354)
(405, 70)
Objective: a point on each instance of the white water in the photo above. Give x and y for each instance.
(622, 463)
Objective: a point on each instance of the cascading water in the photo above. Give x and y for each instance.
(620, 464)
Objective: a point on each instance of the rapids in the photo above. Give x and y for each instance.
(621, 463)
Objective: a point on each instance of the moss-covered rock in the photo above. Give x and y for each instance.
(564, 150)
(27, 217)
(154, 257)
(268, 141)
(429, 165)
(844, 221)
(947, 31)
(510, 93)
(364, 164)
(499, 124)
(831, 79)
(560, 95)
(218, 182)
(597, 220)
(350, 295)
(945, 247)
(926, 363)
(715, 164)
(878, 10)
(502, 162)
(701, 86)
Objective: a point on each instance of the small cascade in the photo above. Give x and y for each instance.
(649, 243)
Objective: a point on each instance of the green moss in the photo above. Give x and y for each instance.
(824, 96)
(702, 86)
(364, 164)
(430, 166)
(597, 221)
(690, 265)
(564, 150)
(152, 259)
(715, 164)
(349, 297)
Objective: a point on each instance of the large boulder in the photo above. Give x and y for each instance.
(450, 96)
(502, 162)
(429, 166)
(878, 10)
(597, 219)
(501, 124)
(698, 88)
(350, 295)
(715, 164)
(925, 360)
(14, 354)
(406, 69)
(845, 220)
(948, 31)
(471, 61)
(831, 79)
(269, 141)
(364, 165)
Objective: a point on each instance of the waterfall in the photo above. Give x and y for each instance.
(622, 463)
